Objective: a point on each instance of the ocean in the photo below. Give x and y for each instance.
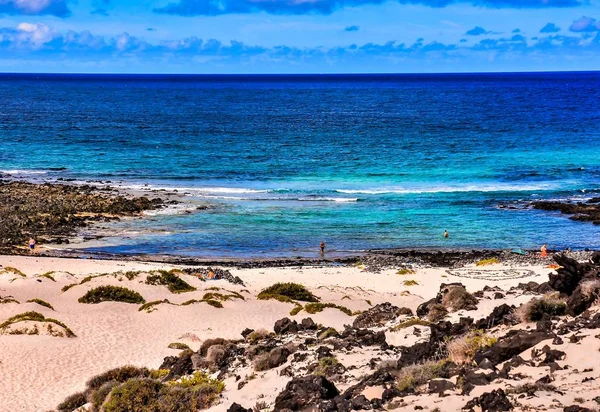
(280, 163)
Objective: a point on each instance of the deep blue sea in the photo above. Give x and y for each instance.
(284, 162)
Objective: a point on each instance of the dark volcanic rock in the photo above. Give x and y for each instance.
(178, 366)
(576, 408)
(377, 316)
(440, 386)
(491, 402)
(569, 275)
(285, 325)
(501, 315)
(305, 391)
(586, 212)
(238, 408)
(360, 403)
(512, 344)
(308, 324)
(278, 356)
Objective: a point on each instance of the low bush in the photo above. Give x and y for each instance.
(296, 310)
(36, 317)
(213, 303)
(72, 402)
(457, 298)
(135, 395)
(99, 395)
(210, 342)
(178, 345)
(410, 283)
(120, 375)
(111, 293)
(313, 308)
(150, 306)
(536, 308)
(169, 279)
(411, 377)
(591, 290)
(132, 274)
(486, 262)
(326, 366)
(292, 291)
(41, 303)
(10, 269)
(327, 333)
(462, 349)
(48, 275)
(406, 271)
(257, 335)
(8, 299)
(159, 373)
(69, 286)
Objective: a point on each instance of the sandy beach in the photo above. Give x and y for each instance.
(39, 371)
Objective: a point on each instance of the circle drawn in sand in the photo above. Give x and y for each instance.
(493, 275)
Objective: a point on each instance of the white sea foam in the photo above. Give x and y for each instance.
(328, 199)
(449, 189)
(23, 172)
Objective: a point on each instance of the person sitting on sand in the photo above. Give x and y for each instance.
(544, 251)
(31, 244)
(446, 233)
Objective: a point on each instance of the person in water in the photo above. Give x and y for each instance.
(322, 248)
(31, 244)
(544, 250)
(446, 233)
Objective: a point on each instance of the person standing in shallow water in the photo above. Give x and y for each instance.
(322, 248)
(446, 233)
(31, 245)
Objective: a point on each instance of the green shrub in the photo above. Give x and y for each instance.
(135, 395)
(41, 303)
(296, 310)
(35, 317)
(132, 274)
(326, 366)
(159, 373)
(169, 279)
(67, 287)
(111, 293)
(257, 335)
(48, 275)
(200, 378)
(313, 308)
(486, 262)
(410, 283)
(72, 402)
(100, 394)
(9, 269)
(410, 377)
(462, 349)
(293, 291)
(178, 345)
(8, 299)
(213, 303)
(86, 279)
(327, 333)
(120, 375)
(536, 308)
(406, 271)
(150, 306)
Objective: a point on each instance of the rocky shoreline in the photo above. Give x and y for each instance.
(54, 213)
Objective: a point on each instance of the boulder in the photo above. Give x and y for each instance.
(308, 324)
(303, 392)
(377, 316)
(493, 401)
(512, 344)
(285, 325)
(360, 403)
(278, 356)
(238, 408)
(567, 277)
(501, 315)
(440, 386)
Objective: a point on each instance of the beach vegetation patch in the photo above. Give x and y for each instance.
(35, 317)
(213, 303)
(257, 335)
(14, 271)
(178, 346)
(297, 309)
(169, 279)
(219, 296)
(72, 402)
(457, 298)
(159, 373)
(292, 291)
(487, 262)
(122, 374)
(67, 287)
(462, 349)
(327, 365)
(534, 310)
(132, 274)
(410, 283)
(406, 271)
(48, 275)
(8, 299)
(99, 395)
(411, 322)
(86, 279)
(151, 306)
(111, 293)
(313, 308)
(327, 333)
(409, 378)
(41, 303)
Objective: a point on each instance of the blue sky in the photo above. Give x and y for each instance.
(298, 36)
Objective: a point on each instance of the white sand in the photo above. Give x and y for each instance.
(38, 372)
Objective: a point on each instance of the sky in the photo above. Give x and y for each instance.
(298, 36)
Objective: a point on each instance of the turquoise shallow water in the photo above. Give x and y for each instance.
(285, 162)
